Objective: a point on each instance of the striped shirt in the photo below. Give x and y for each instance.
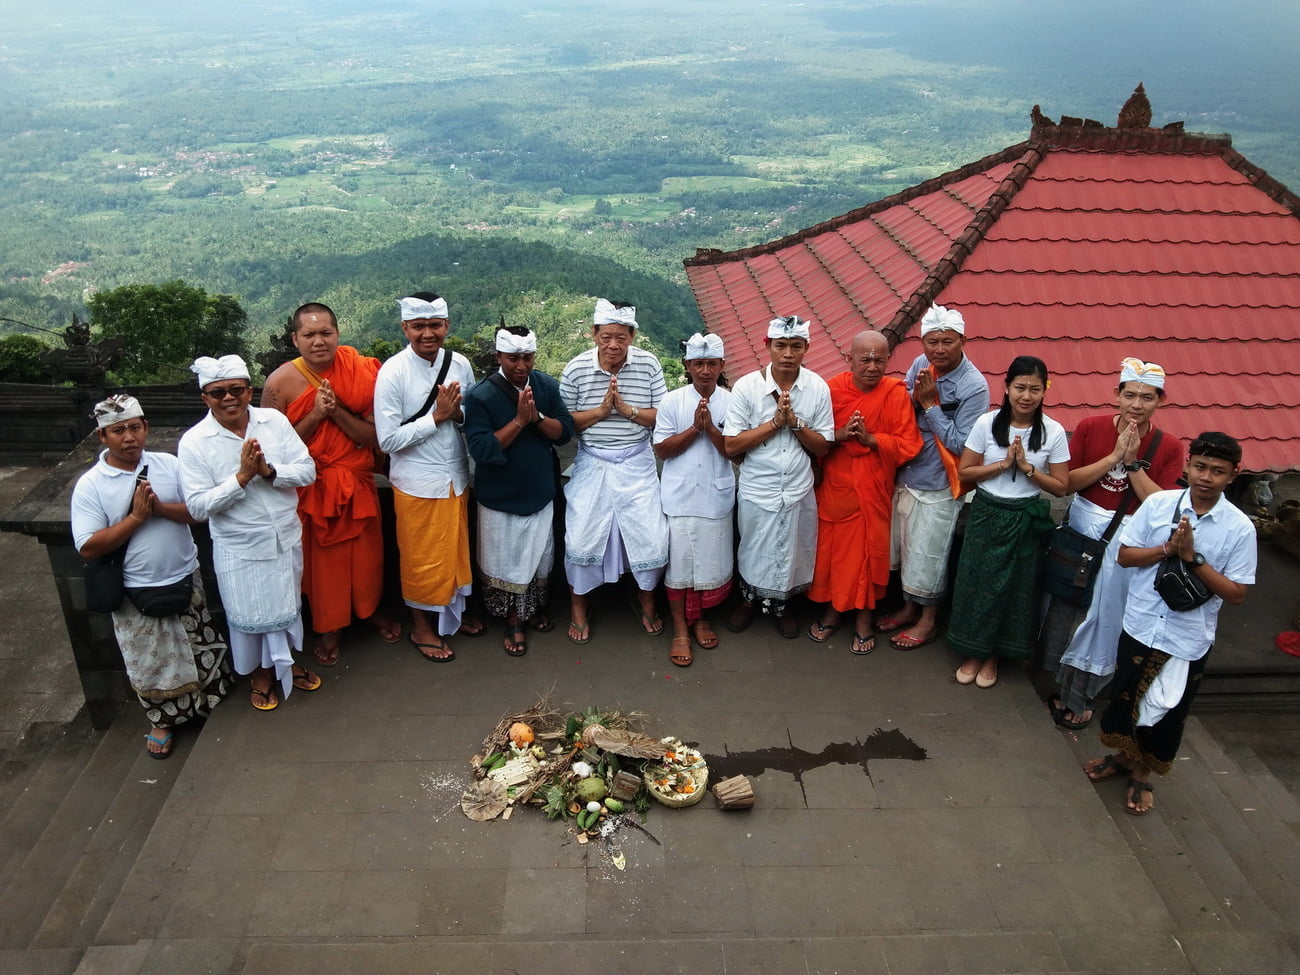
(640, 382)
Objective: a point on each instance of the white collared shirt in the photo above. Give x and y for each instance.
(257, 521)
(699, 481)
(160, 551)
(1224, 535)
(778, 472)
(427, 459)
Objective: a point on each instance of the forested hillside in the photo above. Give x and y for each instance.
(521, 159)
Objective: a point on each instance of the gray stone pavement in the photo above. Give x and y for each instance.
(326, 836)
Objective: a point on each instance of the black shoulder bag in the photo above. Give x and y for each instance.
(1073, 559)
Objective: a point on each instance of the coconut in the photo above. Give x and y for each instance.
(592, 789)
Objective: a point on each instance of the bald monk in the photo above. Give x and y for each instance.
(328, 395)
(875, 432)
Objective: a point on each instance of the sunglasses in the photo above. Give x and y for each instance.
(221, 392)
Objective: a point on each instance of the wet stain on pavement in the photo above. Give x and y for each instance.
(879, 745)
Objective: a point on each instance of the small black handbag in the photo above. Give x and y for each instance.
(169, 600)
(1177, 584)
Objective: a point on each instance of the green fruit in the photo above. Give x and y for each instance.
(613, 805)
(495, 760)
(591, 788)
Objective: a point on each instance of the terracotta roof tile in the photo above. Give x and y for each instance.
(1082, 246)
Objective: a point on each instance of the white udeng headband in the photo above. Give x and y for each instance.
(512, 344)
(1133, 370)
(209, 370)
(700, 346)
(939, 318)
(790, 327)
(607, 314)
(419, 308)
(115, 409)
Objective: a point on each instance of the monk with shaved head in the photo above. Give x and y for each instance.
(875, 432)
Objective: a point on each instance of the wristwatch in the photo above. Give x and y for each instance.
(1137, 465)
(797, 425)
(1197, 560)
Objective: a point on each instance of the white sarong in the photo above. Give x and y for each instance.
(615, 493)
(921, 541)
(263, 601)
(699, 552)
(778, 549)
(515, 550)
(1093, 647)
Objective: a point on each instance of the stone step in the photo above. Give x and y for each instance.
(92, 887)
(1223, 843)
(56, 869)
(37, 775)
(51, 962)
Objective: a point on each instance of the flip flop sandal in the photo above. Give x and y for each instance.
(1099, 770)
(1066, 724)
(540, 622)
(379, 630)
(434, 646)
(681, 654)
(269, 700)
(516, 641)
(583, 631)
(905, 642)
(862, 645)
(1133, 798)
(307, 681)
(323, 657)
(826, 632)
(165, 743)
(652, 625)
(890, 625)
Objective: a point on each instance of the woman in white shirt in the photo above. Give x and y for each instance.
(1014, 454)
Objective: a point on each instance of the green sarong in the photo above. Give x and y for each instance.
(995, 595)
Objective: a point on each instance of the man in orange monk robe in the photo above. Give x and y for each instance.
(328, 395)
(875, 432)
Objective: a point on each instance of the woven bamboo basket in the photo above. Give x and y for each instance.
(679, 800)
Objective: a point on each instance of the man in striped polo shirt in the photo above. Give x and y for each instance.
(614, 522)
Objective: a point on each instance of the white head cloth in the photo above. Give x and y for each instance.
(209, 370)
(939, 319)
(513, 344)
(1133, 370)
(607, 314)
(419, 308)
(790, 327)
(115, 409)
(704, 347)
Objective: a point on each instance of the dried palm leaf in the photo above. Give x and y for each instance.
(631, 744)
(484, 800)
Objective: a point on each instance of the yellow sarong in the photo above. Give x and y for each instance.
(433, 547)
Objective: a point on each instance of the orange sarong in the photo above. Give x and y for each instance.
(342, 536)
(856, 493)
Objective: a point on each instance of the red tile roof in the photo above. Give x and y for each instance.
(1082, 245)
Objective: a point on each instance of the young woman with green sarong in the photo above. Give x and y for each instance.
(1014, 454)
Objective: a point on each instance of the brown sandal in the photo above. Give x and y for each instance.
(681, 653)
(702, 631)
